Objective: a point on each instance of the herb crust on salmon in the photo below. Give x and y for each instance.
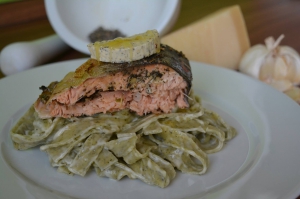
(155, 84)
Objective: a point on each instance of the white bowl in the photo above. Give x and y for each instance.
(74, 20)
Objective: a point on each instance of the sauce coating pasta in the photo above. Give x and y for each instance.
(121, 144)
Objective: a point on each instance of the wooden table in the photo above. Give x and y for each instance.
(27, 20)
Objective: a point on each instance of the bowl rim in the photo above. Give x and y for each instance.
(68, 37)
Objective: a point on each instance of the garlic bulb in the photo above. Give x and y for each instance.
(278, 66)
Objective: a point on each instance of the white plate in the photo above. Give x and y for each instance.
(263, 161)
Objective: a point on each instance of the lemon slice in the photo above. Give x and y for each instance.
(126, 49)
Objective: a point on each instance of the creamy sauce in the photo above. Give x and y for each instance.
(117, 145)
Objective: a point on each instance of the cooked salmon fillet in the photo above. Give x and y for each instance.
(156, 84)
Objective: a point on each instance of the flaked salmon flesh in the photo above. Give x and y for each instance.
(138, 91)
(151, 88)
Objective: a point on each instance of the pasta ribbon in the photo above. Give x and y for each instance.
(115, 145)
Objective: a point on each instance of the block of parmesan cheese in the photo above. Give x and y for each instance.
(219, 39)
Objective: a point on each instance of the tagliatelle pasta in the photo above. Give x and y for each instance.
(120, 144)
